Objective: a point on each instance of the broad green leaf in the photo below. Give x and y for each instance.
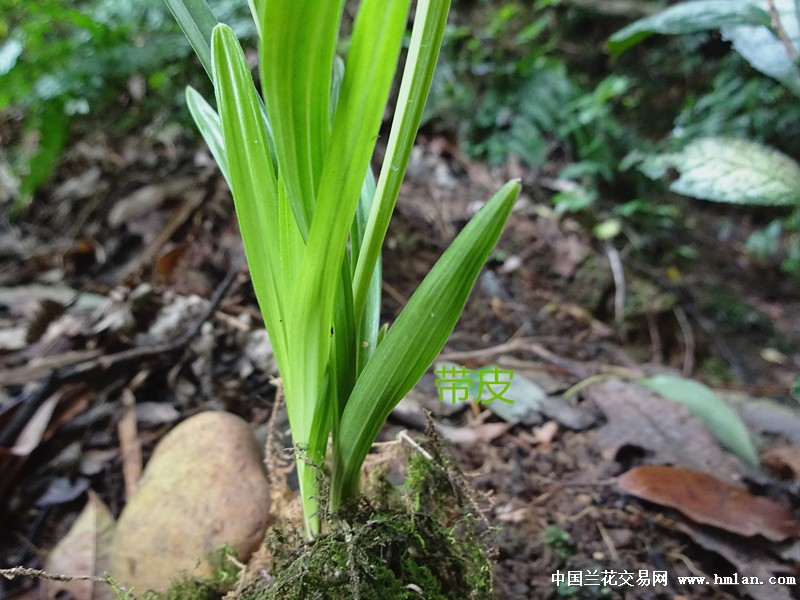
(256, 8)
(272, 244)
(369, 71)
(296, 64)
(208, 123)
(730, 170)
(367, 331)
(197, 22)
(415, 339)
(426, 41)
(764, 50)
(252, 179)
(689, 17)
(721, 420)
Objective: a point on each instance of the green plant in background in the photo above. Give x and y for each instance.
(506, 72)
(766, 33)
(313, 219)
(58, 64)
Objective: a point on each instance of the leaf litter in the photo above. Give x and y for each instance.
(548, 471)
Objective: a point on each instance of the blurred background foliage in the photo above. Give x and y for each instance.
(527, 81)
(108, 63)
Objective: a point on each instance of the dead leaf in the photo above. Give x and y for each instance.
(569, 252)
(710, 501)
(767, 415)
(62, 490)
(545, 433)
(666, 430)
(78, 187)
(148, 198)
(44, 365)
(204, 486)
(785, 461)
(745, 557)
(13, 338)
(156, 413)
(526, 401)
(479, 434)
(85, 550)
(31, 435)
(94, 461)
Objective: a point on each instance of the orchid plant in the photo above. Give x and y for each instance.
(313, 217)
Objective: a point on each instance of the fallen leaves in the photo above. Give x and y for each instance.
(721, 420)
(85, 550)
(785, 461)
(710, 501)
(665, 430)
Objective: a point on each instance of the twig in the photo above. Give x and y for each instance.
(130, 448)
(777, 24)
(618, 272)
(39, 574)
(655, 338)
(404, 437)
(522, 343)
(688, 340)
(737, 366)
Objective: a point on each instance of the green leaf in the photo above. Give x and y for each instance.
(765, 51)
(689, 17)
(722, 421)
(197, 22)
(208, 123)
(415, 339)
(253, 181)
(369, 71)
(296, 63)
(426, 41)
(52, 126)
(730, 170)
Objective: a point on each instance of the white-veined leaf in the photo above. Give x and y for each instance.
(730, 170)
(764, 50)
(689, 17)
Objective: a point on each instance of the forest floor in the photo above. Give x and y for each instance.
(118, 257)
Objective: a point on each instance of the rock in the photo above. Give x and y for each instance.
(205, 486)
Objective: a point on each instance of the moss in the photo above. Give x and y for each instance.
(213, 587)
(424, 539)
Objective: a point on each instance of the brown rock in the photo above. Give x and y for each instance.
(204, 487)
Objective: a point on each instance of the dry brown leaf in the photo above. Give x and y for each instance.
(478, 434)
(785, 461)
(710, 501)
(745, 556)
(569, 251)
(85, 550)
(545, 433)
(666, 430)
(148, 198)
(31, 435)
(205, 486)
